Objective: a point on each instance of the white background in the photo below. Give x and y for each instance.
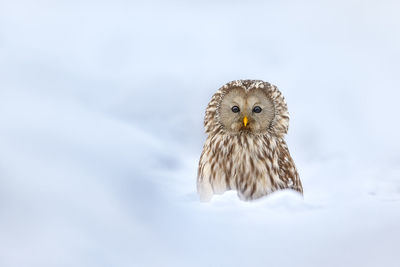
(101, 129)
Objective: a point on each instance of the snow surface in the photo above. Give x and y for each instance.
(101, 109)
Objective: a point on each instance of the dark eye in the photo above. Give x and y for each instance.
(257, 109)
(235, 109)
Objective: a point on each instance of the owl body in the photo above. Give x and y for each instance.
(245, 150)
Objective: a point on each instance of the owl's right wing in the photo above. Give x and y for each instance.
(204, 187)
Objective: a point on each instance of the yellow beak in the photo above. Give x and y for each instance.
(245, 121)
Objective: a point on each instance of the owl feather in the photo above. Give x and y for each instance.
(251, 158)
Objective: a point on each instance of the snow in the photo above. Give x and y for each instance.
(101, 109)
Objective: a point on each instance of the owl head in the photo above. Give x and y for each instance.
(247, 107)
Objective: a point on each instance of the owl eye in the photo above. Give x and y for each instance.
(235, 109)
(257, 109)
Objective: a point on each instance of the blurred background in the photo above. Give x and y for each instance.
(101, 129)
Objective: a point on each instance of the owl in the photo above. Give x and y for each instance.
(245, 150)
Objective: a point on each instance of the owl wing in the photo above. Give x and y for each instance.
(287, 169)
(204, 187)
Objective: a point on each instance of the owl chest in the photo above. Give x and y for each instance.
(244, 167)
(247, 165)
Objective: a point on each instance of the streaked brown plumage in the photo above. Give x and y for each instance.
(245, 123)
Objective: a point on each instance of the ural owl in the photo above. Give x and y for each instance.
(245, 123)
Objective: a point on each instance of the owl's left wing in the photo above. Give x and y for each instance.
(287, 169)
